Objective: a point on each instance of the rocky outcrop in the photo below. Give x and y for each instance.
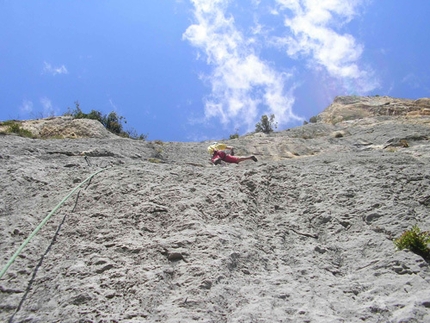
(63, 127)
(161, 235)
(354, 107)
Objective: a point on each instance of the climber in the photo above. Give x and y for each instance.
(218, 154)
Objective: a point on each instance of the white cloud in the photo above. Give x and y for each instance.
(244, 86)
(113, 105)
(242, 83)
(412, 80)
(48, 68)
(312, 25)
(48, 109)
(46, 103)
(26, 106)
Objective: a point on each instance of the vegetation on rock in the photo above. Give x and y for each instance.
(266, 124)
(313, 119)
(112, 121)
(415, 241)
(14, 127)
(235, 135)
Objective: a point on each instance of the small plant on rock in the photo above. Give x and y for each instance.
(313, 119)
(235, 135)
(154, 160)
(14, 127)
(415, 241)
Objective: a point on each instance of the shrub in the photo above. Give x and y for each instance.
(8, 122)
(266, 124)
(112, 121)
(235, 135)
(313, 119)
(14, 127)
(415, 241)
(154, 160)
(132, 134)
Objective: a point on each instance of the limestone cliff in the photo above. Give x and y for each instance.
(161, 235)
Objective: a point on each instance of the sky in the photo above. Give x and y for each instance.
(195, 70)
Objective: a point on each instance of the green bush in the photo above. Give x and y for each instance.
(266, 124)
(415, 241)
(14, 127)
(112, 121)
(8, 122)
(235, 135)
(132, 134)
(313, 119)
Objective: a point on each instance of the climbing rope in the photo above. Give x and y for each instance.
(43, 223)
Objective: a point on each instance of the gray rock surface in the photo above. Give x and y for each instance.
(161, 235)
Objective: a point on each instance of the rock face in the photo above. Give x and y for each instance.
(354, 107)
(63, 127)
(160, 235)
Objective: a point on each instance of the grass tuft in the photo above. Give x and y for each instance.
(14, 127)
(415, 241)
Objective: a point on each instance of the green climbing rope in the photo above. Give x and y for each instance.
(43, 223)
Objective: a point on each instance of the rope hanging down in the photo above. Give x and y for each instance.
(43, 223)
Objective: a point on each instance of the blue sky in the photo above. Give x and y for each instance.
(193, 70)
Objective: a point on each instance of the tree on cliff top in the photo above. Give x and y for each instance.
(266, 124)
